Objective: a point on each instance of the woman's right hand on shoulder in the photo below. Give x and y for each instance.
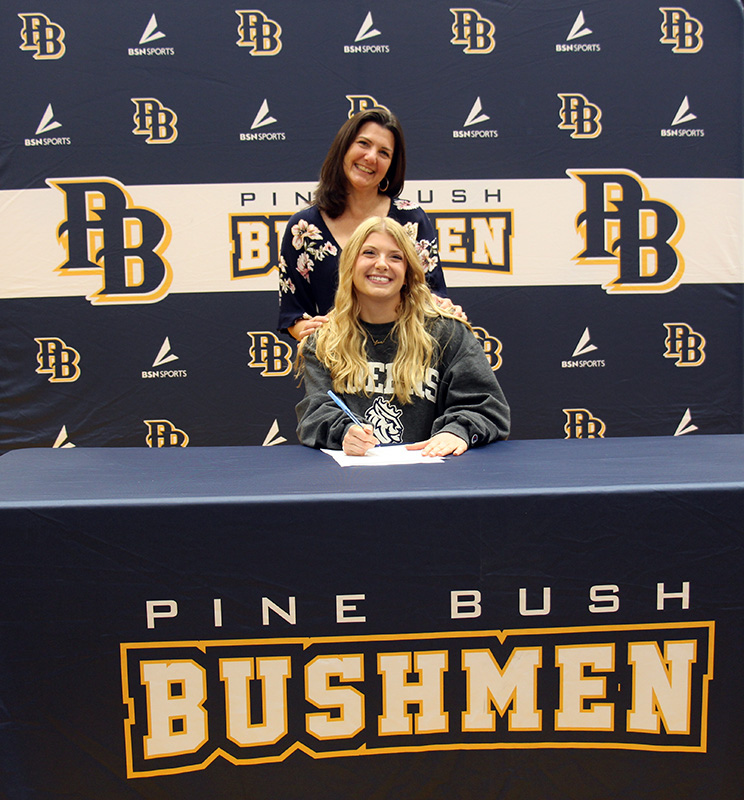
(305, 326)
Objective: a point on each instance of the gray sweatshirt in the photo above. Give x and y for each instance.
(460, 394)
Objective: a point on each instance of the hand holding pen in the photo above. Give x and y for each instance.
(359, 438)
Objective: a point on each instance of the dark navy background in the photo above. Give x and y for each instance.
(216, 89)
(223, 401)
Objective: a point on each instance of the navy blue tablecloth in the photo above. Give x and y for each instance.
(118, 563)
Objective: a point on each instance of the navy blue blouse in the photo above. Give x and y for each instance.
(308, 264)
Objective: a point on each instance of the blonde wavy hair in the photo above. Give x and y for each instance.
(341, 343)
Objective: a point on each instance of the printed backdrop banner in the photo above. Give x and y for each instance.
(582, 164)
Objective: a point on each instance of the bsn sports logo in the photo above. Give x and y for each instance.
(153, 120)
(685, 424)
(491, 347)
(475, 117)
(151, 32)
(684, 345)
(165, 356)
(472, 31)
(269, 354)
(682, 117)
(367, 31)
(163, 433)
(579, 116)
(259, 33)
(582, 424)
(681, 30)
(579, 29)
(583, 347)
(57, 360)
(361, 102)
(273, 437)
(42, 37)
(623, 226)
(261, 120)
(263, 116)
(105, 234)
(149, 35)
(47, 124)
(62, 442)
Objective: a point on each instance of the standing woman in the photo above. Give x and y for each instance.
(410, 371)
(361, 177)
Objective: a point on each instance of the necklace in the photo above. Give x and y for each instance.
(378, 342)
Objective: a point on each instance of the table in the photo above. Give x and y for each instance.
(532, 619)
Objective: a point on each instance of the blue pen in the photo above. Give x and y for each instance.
(349, 413)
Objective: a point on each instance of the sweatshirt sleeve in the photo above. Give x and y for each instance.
(471, 403)
(320, 422)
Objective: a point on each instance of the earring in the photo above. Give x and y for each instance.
(387, 185)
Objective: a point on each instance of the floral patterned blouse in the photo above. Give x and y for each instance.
(308, 263)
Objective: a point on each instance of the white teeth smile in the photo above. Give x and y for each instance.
(365, 169)
(379, 279)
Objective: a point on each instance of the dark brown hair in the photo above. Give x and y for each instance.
(330, 194)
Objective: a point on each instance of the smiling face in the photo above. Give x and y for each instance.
(378, 276)
(369, 157)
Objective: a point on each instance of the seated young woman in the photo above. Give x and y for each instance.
(410, 371)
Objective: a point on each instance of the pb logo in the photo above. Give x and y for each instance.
(106, 234)
(269, 354)
(581, 424)
(43, 37)
(681, 30)
(684, 345)
(259, 33)
(579, 116)
(361, 102)
(491, 347)
(624, 227)
(162, 433)
(472, 31)
(57, 360)
(153, 120)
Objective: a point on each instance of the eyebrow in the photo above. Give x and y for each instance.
(394, 251)
(367, 140)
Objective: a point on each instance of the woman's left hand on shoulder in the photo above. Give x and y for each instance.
(447, 305)
(441, 444)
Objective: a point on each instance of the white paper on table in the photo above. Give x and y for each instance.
(382, 456)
